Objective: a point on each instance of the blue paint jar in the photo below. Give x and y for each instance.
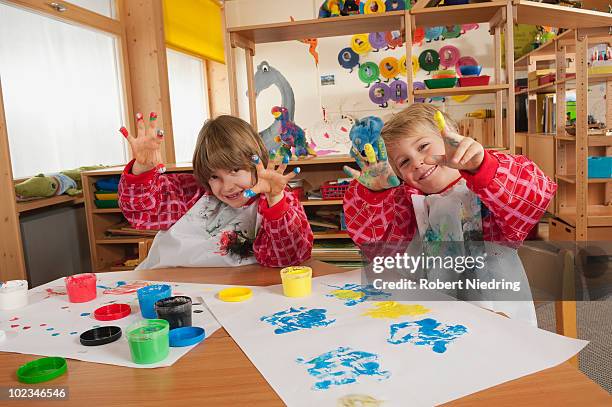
(149, 295)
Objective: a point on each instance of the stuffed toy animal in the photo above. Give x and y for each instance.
(364, 131)
(44, 186)
(291, 135)
(331, 8)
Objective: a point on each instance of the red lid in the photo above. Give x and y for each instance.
(112, 311)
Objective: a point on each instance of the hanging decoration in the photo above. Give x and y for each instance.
(361, 44)
(429, 60)
(369, 73)
(378, 40)
(389, 68)
(348, 59)
(449, 55)
(380, 94)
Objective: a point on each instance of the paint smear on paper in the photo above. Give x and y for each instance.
(358, 400)
(55, 291)
(353, 294)
(426, 332)
(295, 319)
(343, 366)
(122, 287)
(392, 309)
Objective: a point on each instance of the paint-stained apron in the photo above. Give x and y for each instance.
(210, 234)
(450, 224)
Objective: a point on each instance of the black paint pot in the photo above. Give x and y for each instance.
(175, 310)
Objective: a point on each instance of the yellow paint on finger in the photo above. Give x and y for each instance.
(347, 294)
(392, 309)
(439, 118)
(370, 153)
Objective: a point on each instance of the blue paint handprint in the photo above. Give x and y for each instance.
(343, 366)
(426, 332)
(353, 294)
(295, 319)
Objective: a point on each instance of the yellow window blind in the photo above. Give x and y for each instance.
(194, 26)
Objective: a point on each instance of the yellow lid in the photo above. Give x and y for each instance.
(235, 294)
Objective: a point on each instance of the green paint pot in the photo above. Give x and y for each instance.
(149, 341)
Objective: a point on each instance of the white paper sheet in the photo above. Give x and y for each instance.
(488, 349)
(50, 325)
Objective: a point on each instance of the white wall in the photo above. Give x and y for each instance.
(349, 94)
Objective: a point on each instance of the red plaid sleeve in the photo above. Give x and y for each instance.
(285, 237)
(154, 200)
(514, 190)
(385, 216)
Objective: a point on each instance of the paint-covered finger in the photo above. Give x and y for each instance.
(160, 134)
(152, 120)
(291, 175)
(250, 193)
(283, 166)
(351, 172)
(382, 150)
(124, 132)
(463, 146)
(140, 127)
(393, 180)
(257, 161)
(358, 158)
(370, 153)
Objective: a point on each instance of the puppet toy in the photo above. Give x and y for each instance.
(44, 186)
(366, 131)
(291, 136)
(331, 8)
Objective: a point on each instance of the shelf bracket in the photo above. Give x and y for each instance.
(238, 41)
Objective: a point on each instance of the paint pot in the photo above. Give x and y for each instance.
(81, 287)
(149, 295)
(42, 370)
(149, 341)
(100, 336)
(235, 294)
(297, 281)
(112, 312)
(175, 310)
(186, 336)
(13, 294)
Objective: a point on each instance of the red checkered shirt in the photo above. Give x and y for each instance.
(156, 201)
(513, 189)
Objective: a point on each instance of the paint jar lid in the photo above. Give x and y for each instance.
(235, 294)
(186, 336)
(112, 312)
(42, 370)
(13, 286)
(100, 336)
(147, 330)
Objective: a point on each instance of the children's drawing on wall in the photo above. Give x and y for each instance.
(265, 77)
(331, 135)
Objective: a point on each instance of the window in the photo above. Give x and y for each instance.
(188, 101)
(104, 7)
(62, 94)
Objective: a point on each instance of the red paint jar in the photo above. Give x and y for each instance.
(81, 287)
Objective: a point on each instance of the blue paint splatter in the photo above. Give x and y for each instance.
(295, 319)
(343, 366)
(361, 293)
(55, 334)
(73, 333)
(426, 332)
(50, 329)
(117, 284)
(84, 314)
(96, 326)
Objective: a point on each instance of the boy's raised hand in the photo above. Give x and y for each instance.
(461, 153)
(146, 146)
(376, 174)
(271, 181)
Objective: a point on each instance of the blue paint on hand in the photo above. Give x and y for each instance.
(249, 193)
(343, 366)
(295, 319)
(297, 170)
(426, 332)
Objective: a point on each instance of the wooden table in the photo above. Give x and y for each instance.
(218, 373)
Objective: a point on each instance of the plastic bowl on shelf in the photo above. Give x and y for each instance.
(470, 70)
(474, 80)
(455, 2)
(440, 83)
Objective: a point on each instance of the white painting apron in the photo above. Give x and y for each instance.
(455, 216)
(210, 234)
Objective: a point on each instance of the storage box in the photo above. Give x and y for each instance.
(334, 190)
(543, 80)
(600, 167)
(474, 80)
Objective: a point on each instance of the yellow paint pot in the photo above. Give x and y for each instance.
(235, 294)
(297, 281)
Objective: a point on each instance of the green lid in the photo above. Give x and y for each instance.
(42, 370)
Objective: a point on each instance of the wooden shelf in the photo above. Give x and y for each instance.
(592, 79)
(333, 159)
(452, 15)
(123, 240)
(545, 50)
(598, 215)
(593, 141)
(321, 202)
(572, 179)
(109, 210)
(331, 235)
(320, 28)
(467, 90)
(44, 202)
(546, 88)
(531, 12)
